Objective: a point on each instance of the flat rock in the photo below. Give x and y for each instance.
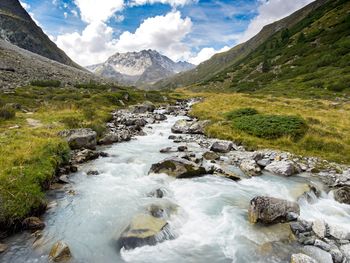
(80, 138)
(339, 232)
(270, 210)
(284, 168)
(60, 252)
(318, 254)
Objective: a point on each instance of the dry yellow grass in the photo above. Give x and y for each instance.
(328, 135)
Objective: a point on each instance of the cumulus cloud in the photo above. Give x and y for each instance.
(270, 11)
(205, 54)
(169, 2)
(91, 11)
(162, 33)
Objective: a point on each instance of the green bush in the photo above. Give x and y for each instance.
(89, 113)
(72, 122)
(46, 83)
(7, 113)
(337, 87)
(241, 112)
(271, 126)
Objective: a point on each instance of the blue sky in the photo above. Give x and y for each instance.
(91, 30)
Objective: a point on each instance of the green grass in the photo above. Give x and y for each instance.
(46, 83)
(29, 155)
(240, 113)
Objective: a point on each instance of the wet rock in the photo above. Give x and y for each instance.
(80, 138)
(342, 195)
(226, 173)
(284, 168)
(178, 167)
(339, 232)
(84, 156)
(172, 137)
(60, 252)
(147, 106)
(211, 156)
(166, 150)
(182, 148)
(322, 245)
(318, 254)
(180, 126)
(160, 117)
(104, 154)
(3, 247)
(270, 210)
(92, 172)
(63, 179)
(184, 126)
(197, 127)
(221, 147)
(33, 223)
(144, 230)
(157, 193)
(320, 228)
(109, 139)
(345, 249)
(301, 258)
(250, 168)
(263, 162)
(337, 255)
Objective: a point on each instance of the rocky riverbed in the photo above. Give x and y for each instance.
(155, 188)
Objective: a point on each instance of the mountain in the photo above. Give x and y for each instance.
(18, 28)
(218, 62)
(144, 67)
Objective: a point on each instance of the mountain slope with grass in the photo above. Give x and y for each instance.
(218, 62)
(18, 28)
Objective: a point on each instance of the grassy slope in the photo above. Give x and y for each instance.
(328, 136)
(29, 155)
(316, 64)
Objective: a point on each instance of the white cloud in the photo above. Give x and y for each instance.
(74, 12)
(270, 11)
(91, 11)
(162, 33)
(65, 14)
(169, 2)
(205, 54)
(25, 5)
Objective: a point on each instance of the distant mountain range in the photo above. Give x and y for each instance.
(139, 68)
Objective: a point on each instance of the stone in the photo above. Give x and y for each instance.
(284, 168)
(33, 223)
(226, 173)
(147, 106)
(345, 249)
(109, 138)
(263, 162)
(144, 230)
(92, 172)
(318, 254)
(250, 167)
(60, 252)
(160, 117)
(270, 210)
(63, 179)
(339, 232)
(157, 193)
(80, 138)
(84, 156)
(301, 258)
(211, 156)
(178, 168)
(342, 195)
(222, 146)
(180, 126)
(320, 228)
(297, 227)
(182, 148)
(197, 127)
(322, 245)
(3, 247)
(166, 150)
(337, 255)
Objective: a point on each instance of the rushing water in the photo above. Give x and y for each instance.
(210, 226)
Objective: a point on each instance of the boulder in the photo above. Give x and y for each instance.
(339, 232)
(157, 193)
(250, 167)
(270, 210)
(182, 148)
(33, 223)
(93, 172)
(113, 137)
(80, 138)
(342, 195)
(144, 230)
(318, 254)
(211, 156)
(301, 258)
(3, 247)
(178, 168)
(284, 168)
(197, 127)
(160, 117)
(147, 106)
(345, 249)
(84, 156)
(60, 252)
(320, 228)
(180, 126)
(222, 146)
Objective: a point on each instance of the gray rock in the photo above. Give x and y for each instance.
(250, 167)
(339, 232)
(33, 223)
(301, 258)
(145, 107)
(222, 146)
(320, 228)
(178, 168)
(80, 138)
(93, 172)
(180, 126)
(197, 127)
(318, 254)
(157, 193)
(263, 162)
(270, 210)
(60, 252)
(84, 156)
(160, 117)
(285, 168)
(211, 156)
(182, 148)
(166, 150)
(337, 255)
(322, 245)
(345, 249)
(342, 195)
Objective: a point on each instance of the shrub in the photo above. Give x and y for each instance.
(89, 113)
(46, 83)
(271, 126)
(7, 113)
(72, 122)
(241, 112)
(337, 87)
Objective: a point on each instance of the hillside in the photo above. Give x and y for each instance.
(311, 57)
(209, 71)
(139, 68)
(18, 28)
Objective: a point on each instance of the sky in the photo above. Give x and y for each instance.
(90, 31)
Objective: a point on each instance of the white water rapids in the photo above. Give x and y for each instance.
(211, 225)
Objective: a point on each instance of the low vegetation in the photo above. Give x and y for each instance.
(280, 123)
(30, 154)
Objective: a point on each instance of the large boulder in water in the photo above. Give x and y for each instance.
(60, 252)
(178, 167)
(342, 195)
(144, 230)
(270, 210)
(180, 126)
(183, 126)
(80, 138)
(284, 168)
(222, 146)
